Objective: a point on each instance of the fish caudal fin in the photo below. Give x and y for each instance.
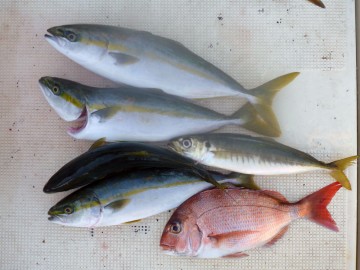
(315, 206)
(251, 120)
(338, 167)
(244, 180)
(318, 3)
(264, 96)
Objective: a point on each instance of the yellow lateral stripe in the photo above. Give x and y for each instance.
(140, 109)
(72, 100)
(109, 46)
(137, 191)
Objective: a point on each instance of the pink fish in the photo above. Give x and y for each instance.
(214, 223)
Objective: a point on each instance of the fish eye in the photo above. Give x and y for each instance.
(175, 227)
(71, 36)
(68, 210)
(55, 89)
(186, 143)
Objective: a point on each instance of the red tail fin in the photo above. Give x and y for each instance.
(315, 205)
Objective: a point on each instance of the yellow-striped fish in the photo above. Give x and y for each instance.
(254, 155)
(142, 59)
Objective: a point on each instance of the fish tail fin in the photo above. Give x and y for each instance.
(244, 180)
(250, 120)
(318, 3)
(338, 167)
(265, 94)
(315, 206)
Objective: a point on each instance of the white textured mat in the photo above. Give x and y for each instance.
(253, 41)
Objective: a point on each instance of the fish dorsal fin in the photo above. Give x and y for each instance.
(229, 239)
(123, 59)
(98, 143)
(277, 237)
(117, 205)
(276, 195)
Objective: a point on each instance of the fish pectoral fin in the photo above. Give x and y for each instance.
(236, 255)
(208, 155)
(277, 237)
(106, 113)
(244, 180)
(123, 59)
(98, 143)
(229, 239)
(276, 195)
(133, 221)
(117, 205)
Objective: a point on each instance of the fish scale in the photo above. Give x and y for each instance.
(126, 197)
(141, 59)
(133, 114)
(217, 223)
(259, 156)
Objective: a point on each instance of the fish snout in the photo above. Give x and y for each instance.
(174, 146)
(55, 31)
(171, 146)
(55, 218)
(166, 247)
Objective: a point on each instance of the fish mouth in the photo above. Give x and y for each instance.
(56, 219)
(47, 36)
(55, 37)
(79, 124)
(167, 249)
(172, 146)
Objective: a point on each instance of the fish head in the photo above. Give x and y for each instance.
(191, 146)
(67, 99)
(84, 44)
(79, 209)
(181, 235)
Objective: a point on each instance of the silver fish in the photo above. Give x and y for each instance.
(142, 59)
(134, 196)
(133, 114)
(252, 155)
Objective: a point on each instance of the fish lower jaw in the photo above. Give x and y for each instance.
(79, 124)
(172, 252)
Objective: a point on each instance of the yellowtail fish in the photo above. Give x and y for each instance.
(134, 114)
(255, 155)
(214, 223)
(104, 160)
(142, 59)
(133, 196)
